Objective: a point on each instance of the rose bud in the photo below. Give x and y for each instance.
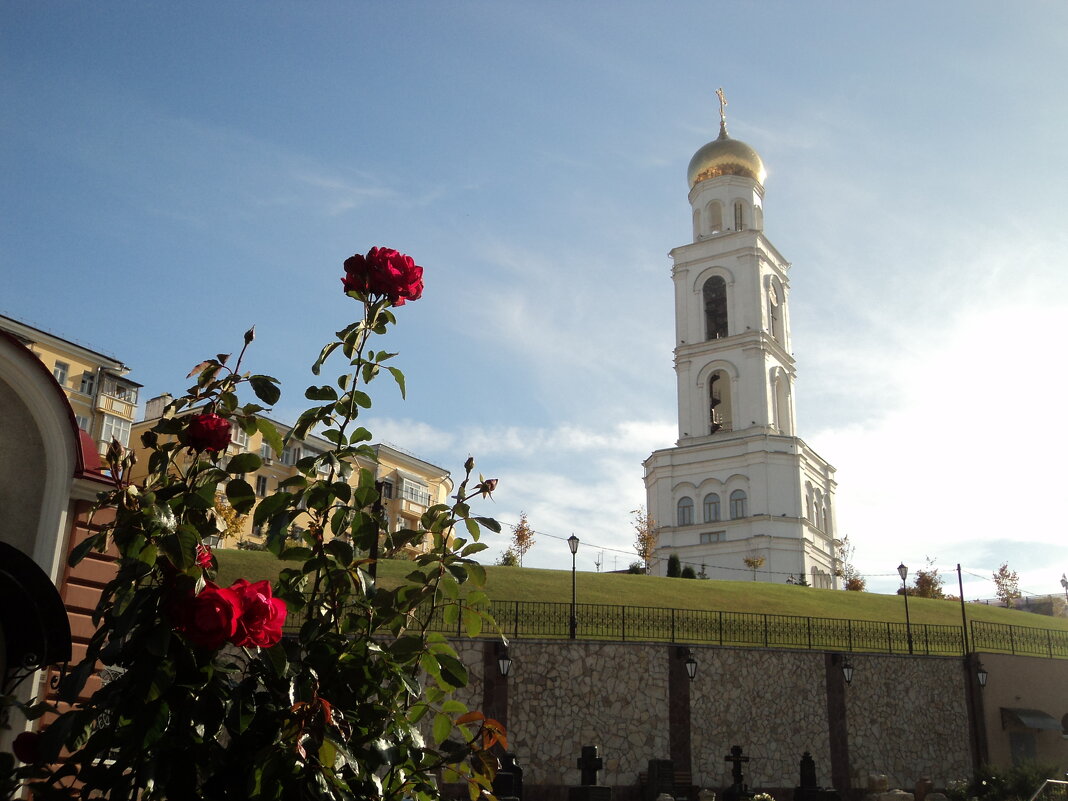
(27, 747)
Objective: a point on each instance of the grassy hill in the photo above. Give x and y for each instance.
(529, 584)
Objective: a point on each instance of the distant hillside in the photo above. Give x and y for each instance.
(530, 584)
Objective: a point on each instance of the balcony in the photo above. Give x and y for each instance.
(116, 406)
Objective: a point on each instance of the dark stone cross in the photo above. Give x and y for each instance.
(590, 764)
(809, 789)
(808, 772)
(736, 757)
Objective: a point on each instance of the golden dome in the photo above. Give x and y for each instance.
(725, 156)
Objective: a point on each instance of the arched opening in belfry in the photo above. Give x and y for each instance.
(739, 216)
(719, 402)
(715, 295)
(715, 217)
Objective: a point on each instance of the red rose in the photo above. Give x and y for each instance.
(210, 618)
(262, 615)
(204, 556)
(384, 271)
(208, 432)
(27, 747)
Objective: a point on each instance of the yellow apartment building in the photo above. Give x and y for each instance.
(104, 401)
(410, 484)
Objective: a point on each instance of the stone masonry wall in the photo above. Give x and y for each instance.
(771, 703)
(564, 695)
(908, 718)
(904, 716)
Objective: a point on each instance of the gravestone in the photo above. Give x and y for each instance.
(590, 764)
(660, 779)
(738, 791)
(923, 786)
(809, 789)
(508, 783)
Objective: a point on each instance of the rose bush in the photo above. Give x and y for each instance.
(208, 432)
(206, 698)
(386, 273)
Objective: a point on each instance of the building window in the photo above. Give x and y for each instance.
(387, 489)
(261, 486)
(115, 427)
(239, 437)
(265, 450)
(291, 455)
(88, 383)
(711, 507)
(60, 372)
(685, 512)
(83, 422)
(715, 295)
(738, 504)
(713, 536)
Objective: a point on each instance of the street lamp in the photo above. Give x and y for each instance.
(1064, 583)
(573, 543)
(981, 674)
(504, 662)
(847, 670)
(904, 572)
(691, 662)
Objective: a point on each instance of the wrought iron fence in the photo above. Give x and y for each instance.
(1022, 640)
(618, 623)
(544, 619)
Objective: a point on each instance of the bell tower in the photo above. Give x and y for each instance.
(739, 484)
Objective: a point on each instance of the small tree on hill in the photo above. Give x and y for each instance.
(509, 558)
(929, 582)
(674, 566)
(687, 572)
(846, 570)
(1007, 585)
(645, 536)
(522, 537)
(754, 562)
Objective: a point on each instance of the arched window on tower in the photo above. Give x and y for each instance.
(719, 402)
(684, 516)
(738, 505)
(711, 507)
(696, 224)
(715, 294)
(739, 216)
(774, 312)
(780, 386)
(715, 217)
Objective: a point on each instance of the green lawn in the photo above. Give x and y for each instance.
(528, 584)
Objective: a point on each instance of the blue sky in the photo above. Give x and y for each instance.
(176, 173)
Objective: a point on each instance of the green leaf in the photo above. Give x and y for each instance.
(244, 463)
(82, 548)
(266, 388)
(270, 433)
(323, 393)
(398, 376)
(361, 434)
(489, 523)
(323, 356)
(181, 547)
(240, 495)
(472, 622)
(442, 727)
(476, 573)
(295, 554)
(270, 506)
(452, 670)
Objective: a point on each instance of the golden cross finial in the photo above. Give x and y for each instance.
(722, 105)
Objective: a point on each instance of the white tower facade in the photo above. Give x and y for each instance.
(740, 496)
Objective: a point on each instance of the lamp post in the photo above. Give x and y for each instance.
(904, 573)
(1064, 583)
(573, 543)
